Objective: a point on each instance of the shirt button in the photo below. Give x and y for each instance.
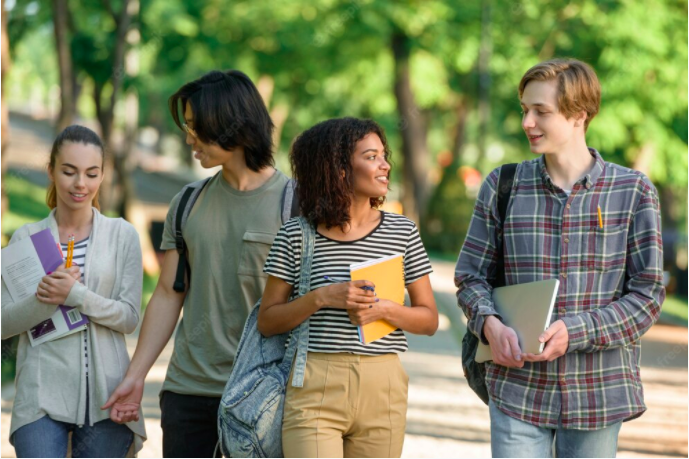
(564, 275)
(588, 186)
(563, 382)
(566, 240)
(563, 311)
(569, 205)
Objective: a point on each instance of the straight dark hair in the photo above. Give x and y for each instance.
(74, 134)
(228, 112)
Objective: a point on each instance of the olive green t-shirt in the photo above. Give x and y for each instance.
(228, 234)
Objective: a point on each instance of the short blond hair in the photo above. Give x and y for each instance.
(578, 88)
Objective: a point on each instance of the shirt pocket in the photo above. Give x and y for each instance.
(252, 279)
(610, 250)
(255, 248)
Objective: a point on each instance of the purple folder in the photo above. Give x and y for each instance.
(51, 257)
(47, 249)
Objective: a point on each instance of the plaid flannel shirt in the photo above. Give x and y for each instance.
(610, 293)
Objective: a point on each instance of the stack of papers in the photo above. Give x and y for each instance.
(24, 264)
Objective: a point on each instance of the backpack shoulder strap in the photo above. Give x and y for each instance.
(190, 193)
(505, 181)
(290, 201)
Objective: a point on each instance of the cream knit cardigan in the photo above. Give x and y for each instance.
(111, 296)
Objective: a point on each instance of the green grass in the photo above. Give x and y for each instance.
(9, 369)
(443, 256)
(26, 203)
(675, 310)
(150, 283)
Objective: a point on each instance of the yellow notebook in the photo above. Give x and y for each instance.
(387, 274)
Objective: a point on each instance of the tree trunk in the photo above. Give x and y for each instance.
(459, 134)
(64, 60)
(112, 192)
(413, 131)
(108, 184)
(278, 113)
(485, 51)
(124, 163)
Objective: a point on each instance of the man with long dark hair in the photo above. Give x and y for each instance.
(228, 235)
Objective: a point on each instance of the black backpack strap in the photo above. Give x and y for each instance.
(180, 245)
(290, 201)
(505, 181)
(475, 372)
(190, 194)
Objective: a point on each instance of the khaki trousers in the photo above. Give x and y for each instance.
(350, 406)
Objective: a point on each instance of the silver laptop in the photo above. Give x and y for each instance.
(527, 308)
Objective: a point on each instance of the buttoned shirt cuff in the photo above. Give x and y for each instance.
(483, 312)
(577, 332)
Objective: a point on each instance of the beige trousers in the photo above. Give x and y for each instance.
(350, 406)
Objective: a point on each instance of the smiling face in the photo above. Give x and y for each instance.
(370, 168)
(548, 130)
(209, 155)
(77, 174)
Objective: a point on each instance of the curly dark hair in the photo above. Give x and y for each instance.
(229, 112)
(318, 157)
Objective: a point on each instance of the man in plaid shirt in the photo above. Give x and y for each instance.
(586, 382)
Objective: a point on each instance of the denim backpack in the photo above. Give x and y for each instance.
(250, 412)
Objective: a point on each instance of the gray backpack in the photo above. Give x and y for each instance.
(190, 193)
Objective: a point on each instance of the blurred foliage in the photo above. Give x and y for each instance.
(8, 361)
(675, 311)
(449, 213)
(26, 206)
(331, 58)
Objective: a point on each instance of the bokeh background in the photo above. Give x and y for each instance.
(440, 75)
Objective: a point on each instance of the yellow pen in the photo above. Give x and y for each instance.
(600, 218)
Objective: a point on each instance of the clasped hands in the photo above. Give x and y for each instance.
(504, 343)
(358, 298)
(55, 286)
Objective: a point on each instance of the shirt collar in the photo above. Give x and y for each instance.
(587, 181)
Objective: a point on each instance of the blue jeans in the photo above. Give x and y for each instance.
(510, 437)
(48, 438)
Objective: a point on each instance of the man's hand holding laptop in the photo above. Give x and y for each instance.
(556, 339)
(504, 343)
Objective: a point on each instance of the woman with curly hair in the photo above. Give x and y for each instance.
(354, 399)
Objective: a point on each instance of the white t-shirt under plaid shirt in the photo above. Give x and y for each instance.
(330, 329)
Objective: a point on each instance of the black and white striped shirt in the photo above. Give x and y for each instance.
(78, 259)
(330, 328)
